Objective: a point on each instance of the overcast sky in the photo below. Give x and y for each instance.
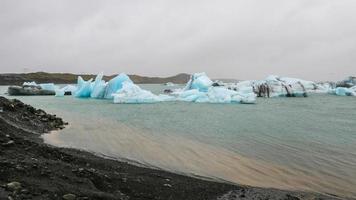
(243, 39)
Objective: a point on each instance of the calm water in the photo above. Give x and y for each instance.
(290, 143)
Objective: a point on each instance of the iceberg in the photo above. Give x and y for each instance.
(199, 81)
(83, 88)
(201, 89)
(33, 83)
(69, 89)
(342, 91)
(43, 86)
(216, 95)
(48, 86)
(59, 93)
(121, 89)
(133, 94)
(347, 83)
(98, 87)
(192, 95)
(115, 84)
(276, 86)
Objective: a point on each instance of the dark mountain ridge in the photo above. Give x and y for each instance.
(68, 78)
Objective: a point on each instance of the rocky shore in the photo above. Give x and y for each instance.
(30, 169)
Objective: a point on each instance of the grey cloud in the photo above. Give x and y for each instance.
(245, 39)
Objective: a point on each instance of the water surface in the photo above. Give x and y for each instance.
(289, 143)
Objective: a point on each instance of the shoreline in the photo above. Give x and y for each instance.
(31, 169)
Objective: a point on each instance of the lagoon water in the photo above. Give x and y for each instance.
(288, 143)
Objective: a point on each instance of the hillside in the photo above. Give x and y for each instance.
(67, 78)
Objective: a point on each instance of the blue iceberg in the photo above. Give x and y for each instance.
(83, 88)
(199, 81)
(98, 87)
(342, 91)
(115, 84)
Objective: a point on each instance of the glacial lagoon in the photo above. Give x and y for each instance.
(290, 143)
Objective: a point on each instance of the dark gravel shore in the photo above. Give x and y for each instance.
(30, 169)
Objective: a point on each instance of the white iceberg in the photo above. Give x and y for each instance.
(115, 84)
(43, 86)
(199, 81)
(67, 89)
(200, 89)
(133, 94)
(48, 86)
(33, 83)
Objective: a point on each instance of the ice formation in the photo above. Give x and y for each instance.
(48, 86)
(343, 91)
(43, 86)
(33, 83)
(277, 86)
(115, 84)
(83, 88)
(199, 81)
(98, 87)
(69, 88)
(132, 93)
(348, 82)
(200, 89)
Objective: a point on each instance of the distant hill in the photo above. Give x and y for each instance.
(67, 78)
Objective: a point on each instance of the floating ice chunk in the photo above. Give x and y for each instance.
(308, 85)
(199, 81)
(223, 95)
(200, 89)
(43, 86)
(115, 84)
(80, 81)
(192, 96)
(348, 82)
(67, 89)
(342, 91)
(216, 95)
(220, 95)
(59, 92)
(70, 88)
(324, 87)
(48, 86)
(98, 87)
(33, 83)
(131, 93)
(83, 88)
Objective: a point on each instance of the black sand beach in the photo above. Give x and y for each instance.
(30, 169)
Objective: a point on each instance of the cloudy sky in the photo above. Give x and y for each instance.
(244, 39)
